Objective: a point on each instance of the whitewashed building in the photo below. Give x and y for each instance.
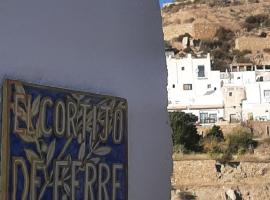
(235, 96)
(194, 88)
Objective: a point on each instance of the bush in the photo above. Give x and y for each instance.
(184, 131)
(267, 50)
(167, 44)
(222, 149)
(263, 34)
(240, 56)
(207, 45)
(239, 141)
(220, 64)
(215, 133)
(255, 21)
(187, 195)
(211, 146)
(179, 148)
(212, 142)
(224, 34)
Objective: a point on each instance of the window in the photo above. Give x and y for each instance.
(238, 77)
(249, 68)
(201, 72)
(259, 79)
(241, 68)
(212, 118)
(209, 86)
(267, 67)
(183, 68)
(234, 68)
(173, 86)
(230, 94)
(187, 86)
(203, 118)
(259, 67)
(266, 93)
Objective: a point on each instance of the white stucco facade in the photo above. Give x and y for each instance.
(231, 96)
(107, 47)
(193, 87)
(257, 105)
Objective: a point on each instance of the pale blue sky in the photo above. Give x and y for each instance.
(164, 1)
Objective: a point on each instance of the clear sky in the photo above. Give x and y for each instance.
(164, 1)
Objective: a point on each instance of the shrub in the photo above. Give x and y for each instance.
(215, 133)
(253, 1)
(187, 195)
(207, 45)
(243, 60)
(225, 157)
(222, 149)
(220, 54)
(211, 146)
(263, 34)
(220, 64)
(224, 34)
(184, 131)
(255, 21)
(266, 23)
(239, 141)
(241, 56)
(167, 44)
(213, 142)
(267, 50)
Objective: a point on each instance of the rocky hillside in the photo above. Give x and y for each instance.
(233, 31)
(210, 180)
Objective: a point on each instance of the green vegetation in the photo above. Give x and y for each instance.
(241, 56)
(239, 141)
(220, 48)
(256, 21)
(184, 132)
(167, 45)
(215, 144)
(215, 133)
(187, 195)
(223, 148)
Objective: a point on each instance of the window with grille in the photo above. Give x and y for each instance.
(201, 71)
(187, 86)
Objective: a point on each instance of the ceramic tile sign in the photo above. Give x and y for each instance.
(61, 144)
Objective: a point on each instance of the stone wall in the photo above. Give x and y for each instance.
(199, 30)
(260, 128)
(252, 43)
(208, 179)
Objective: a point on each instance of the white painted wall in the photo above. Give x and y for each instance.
(109, 47)
(185, 71)
(257, 103)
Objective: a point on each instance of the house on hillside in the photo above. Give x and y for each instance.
(194, 88)
(237, 95)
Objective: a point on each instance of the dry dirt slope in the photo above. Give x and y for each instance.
(178, 19)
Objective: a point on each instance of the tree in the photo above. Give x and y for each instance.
(184, 130)
(215, 133)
